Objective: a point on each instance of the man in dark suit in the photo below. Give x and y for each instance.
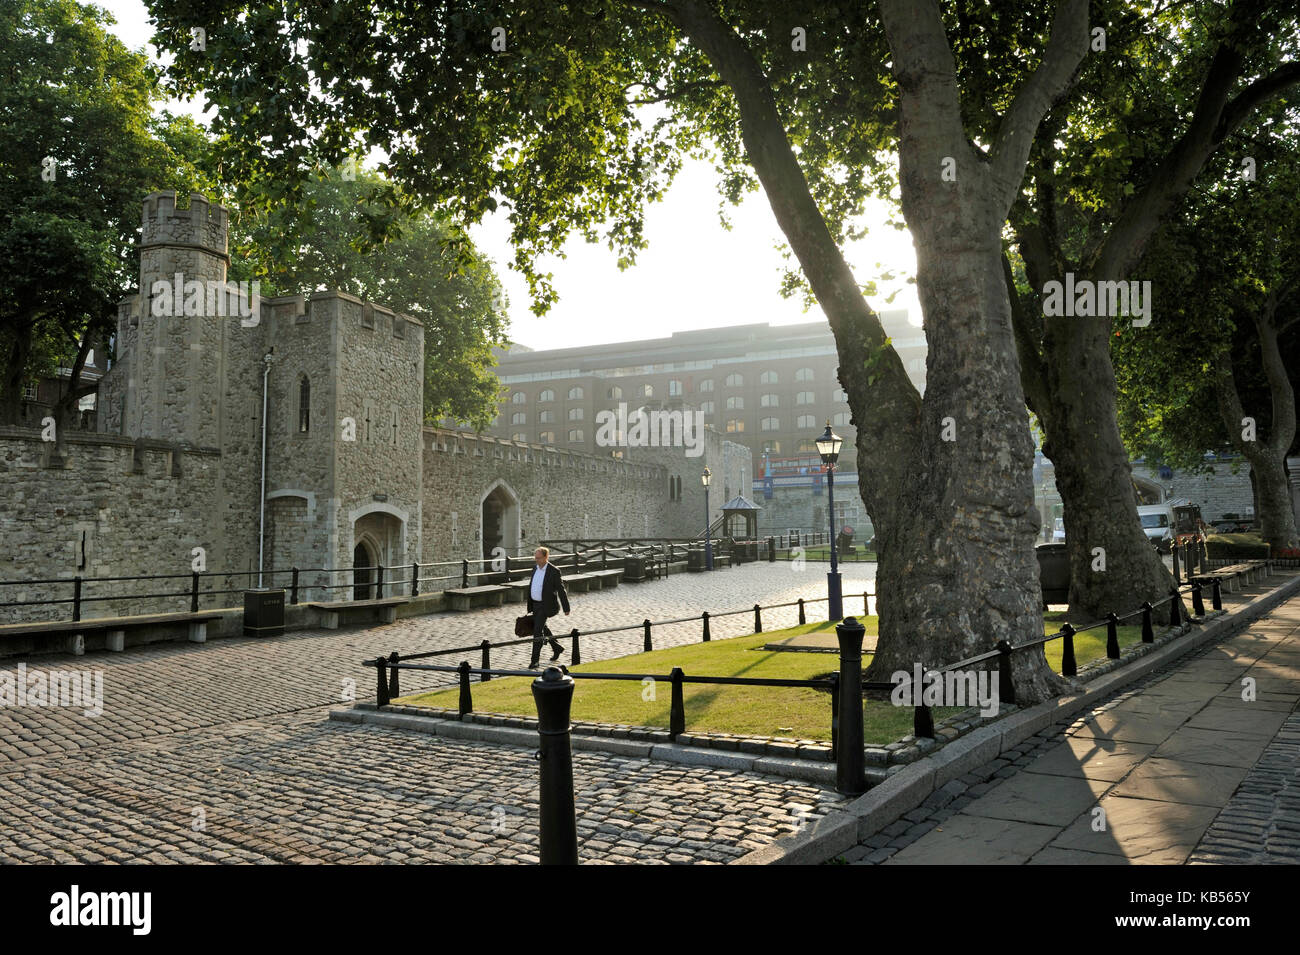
(546, 594)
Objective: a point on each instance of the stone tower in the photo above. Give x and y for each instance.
(172, 337)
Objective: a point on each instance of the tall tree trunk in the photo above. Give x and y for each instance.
(15, 376)
(947, 481)
(1267, 455)
(1113, 566)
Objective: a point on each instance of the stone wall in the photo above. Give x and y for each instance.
(558, 494)
(1224, 490)
(114, 509)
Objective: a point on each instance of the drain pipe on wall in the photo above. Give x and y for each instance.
(261, 521)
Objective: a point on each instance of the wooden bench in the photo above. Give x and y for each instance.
(465, 598)
(115, 627)
(336, 612)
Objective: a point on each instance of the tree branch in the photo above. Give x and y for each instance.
(1066, 48)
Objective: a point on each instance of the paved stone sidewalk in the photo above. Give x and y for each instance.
(1139, 779)
(233, 735)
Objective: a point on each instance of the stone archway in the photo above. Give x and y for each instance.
(379, 535)
(500, 523)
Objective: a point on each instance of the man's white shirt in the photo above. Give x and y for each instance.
(539, 577)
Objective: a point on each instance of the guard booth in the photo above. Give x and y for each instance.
(740, 522)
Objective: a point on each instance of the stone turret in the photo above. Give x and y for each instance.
(172, 336)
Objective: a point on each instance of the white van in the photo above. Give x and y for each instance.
(1158, 524)
(1177, 520)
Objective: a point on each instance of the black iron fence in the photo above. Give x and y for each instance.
(845, 687)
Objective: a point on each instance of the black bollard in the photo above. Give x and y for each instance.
(1112, 636)
(850, 761)
(466, 699)
(648, 645)
(1068, 666)
(758, 619)
(1148, 635)
(1006, 688)
(487, 660)
(1198, 602)
(1175, 609)
(677, 712)
(802, 618)
(576, 653)
(553, 694)
(415, 580)
(393, 690)
(381, 688)
(1173, 552)
(293, 587)
(1216, 595)
(705, 617)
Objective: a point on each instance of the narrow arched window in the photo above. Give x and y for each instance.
(304, 405)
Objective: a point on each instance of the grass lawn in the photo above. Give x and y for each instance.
(756, 711)
(824, 553)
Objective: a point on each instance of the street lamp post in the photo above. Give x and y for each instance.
(708, 534)
(828, 446)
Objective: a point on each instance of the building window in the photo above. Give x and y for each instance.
(772, 447)
(304, 405)
(647, 391)
(804, 374)
(769, 378)
(841, 419)
(546, 395)
(735, 404)
(546, 417)
(735, 380)
(769, 401)
(674, 388)
(518, 398)
(706, 407)
(575, 435)
(706, 384)
(840, 395)
(807, 446)
(735, 424)
(769, 424)
(29, 391)
(546, 437)
(805, 398)
(519, 436)
(575, 414)
(805, 421)
(614, 393)
(519, 417)
(575, 393)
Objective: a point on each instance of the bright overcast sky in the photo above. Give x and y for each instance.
(695, 273)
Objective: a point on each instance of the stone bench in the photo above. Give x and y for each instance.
(466, 598)
(115, 628)
(607, 578)
(337, 612)
(1234, 576)
(581, 583)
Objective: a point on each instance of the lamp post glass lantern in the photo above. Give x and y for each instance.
(828, 446)
(705, 478)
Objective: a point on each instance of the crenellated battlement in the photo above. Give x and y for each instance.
(203, 224)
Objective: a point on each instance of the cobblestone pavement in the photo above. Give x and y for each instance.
(1177, 768)
(232, 735)
(1261, 823)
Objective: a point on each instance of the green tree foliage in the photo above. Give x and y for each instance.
(79, 148)
(417, 263)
